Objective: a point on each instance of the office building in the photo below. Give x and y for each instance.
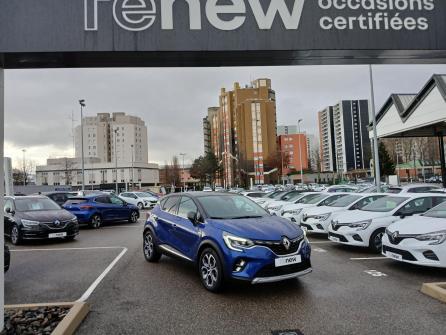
(243, 133)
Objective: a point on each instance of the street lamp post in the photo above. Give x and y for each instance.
(375, 133)
(300, 153)
(183, 173)
(24, 167)
(133, 180)
(116, 162)
(82, 103)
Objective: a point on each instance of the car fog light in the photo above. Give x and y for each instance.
(239, 266)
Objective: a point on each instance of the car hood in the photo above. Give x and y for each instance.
(149, 198)
(277, 203)
(297, 206)
(46, 216)
(358, 215)
(322, 210)
(269, 228)
(418, 225)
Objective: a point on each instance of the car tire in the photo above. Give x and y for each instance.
(140, 206)
(211, 270)
(375, 243)
(96, 221)
(16, 239)
(150, 249)
(134, 216)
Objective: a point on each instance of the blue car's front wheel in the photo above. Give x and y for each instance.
(211, 270)
(96, 221)
(151, 252)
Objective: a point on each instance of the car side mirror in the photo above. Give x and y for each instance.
(192, 217)
(10, 211)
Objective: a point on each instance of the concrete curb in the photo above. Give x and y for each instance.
(435, 290)
(69, 324)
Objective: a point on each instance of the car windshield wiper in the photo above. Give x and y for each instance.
(246, 217)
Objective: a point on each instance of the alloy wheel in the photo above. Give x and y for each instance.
(377, 242)
(140, 206)
(96, 222)
(209, 270)
(15, 235)
(134, 217)
(148, 246)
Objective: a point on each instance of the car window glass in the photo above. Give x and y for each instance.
(8, 204)
(366, 201)
(438, 200)
(331, 199)
(116, 201)
(186, 205)
(103, 200)
(58, 198)
(170, 205)
(125, 195)
(420, 205)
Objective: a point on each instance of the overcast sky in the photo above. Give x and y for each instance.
(173, 101)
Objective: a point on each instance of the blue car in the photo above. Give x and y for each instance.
(227, 236)
(95, 209)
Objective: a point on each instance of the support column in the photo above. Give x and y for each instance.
(2, 192)
(442, 159)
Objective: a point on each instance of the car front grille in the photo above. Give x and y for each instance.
(272, 271)
(51, 225)
(407, 256)
(341, 238)
(278, 247)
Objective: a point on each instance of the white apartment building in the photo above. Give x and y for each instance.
(101, 132)
(326, 135)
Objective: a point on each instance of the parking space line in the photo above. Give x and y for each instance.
(321, 242)
(98, 280)
(366, 258)
(63, 249)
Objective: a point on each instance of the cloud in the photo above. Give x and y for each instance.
(173, 101)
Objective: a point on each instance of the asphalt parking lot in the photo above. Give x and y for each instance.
(351, 291)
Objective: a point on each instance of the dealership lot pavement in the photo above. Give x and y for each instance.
(351, 291)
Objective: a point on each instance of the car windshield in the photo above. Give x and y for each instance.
(231, 207)
(386, 204)
(275, 195)
(143, 194)
(292, 196)
(437, 212)
(35, 204)
(345, 201)
(311, 199)
(394, 190)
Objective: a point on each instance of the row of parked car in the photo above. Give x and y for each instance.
(403, 225)
(58, 214)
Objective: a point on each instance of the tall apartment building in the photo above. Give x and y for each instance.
(287, 130)
(243, 132)
(345, 144)
(311, 150)
(327, 142)
(294, 146)
(101, 131)
(207, 128)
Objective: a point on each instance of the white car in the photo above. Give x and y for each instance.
(418, 240)
(412, 188)
(366, 227)
(275, 207)
(270, 197)
(341, 189)
(140, 199)
(207, 189)
(317, 219)
(293, 212)
(253, 194)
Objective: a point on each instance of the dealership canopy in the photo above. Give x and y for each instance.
(102, 33)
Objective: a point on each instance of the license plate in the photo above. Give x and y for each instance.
(57, 235)
(394, 256)
(334, 239)
(288, 260)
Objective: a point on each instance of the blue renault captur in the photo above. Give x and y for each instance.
(94, 209)
(228, 236)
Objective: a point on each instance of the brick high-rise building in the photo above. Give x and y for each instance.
(294, 146)
(243, 132)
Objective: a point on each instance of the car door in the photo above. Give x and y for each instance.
(186, 232)
(166, 219)
(104, 207)
(8, 216)
(119, 208)
(416, 206)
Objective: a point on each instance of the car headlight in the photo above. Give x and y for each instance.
(260, 202)
(361, 225)
(30, 224)
(293, 211)
(237, 243)
(436, 238)
(72, 220)
(322, 217)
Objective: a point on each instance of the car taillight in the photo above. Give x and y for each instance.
(86, 207)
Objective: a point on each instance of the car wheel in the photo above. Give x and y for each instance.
(15, 235)
(140, 206)
(96, 222)
(151, 252)
(376, 243)
(134, 217)
(211, 270)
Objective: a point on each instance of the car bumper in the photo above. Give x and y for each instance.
(349, 236)
(44, 233)
(260, 264)
(415, 252)
(315, 226)
(83, 216)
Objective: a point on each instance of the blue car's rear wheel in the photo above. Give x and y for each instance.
(151, 252)
(134, 217)
(96, 221)
(211, 270)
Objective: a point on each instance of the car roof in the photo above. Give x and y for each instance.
(34, 196)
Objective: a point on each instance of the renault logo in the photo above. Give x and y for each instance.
(57, 223)
(395, 235)
(286, 243)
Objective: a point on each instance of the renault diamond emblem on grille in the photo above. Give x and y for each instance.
(395, 235)
(286, 243)
(57, 223)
